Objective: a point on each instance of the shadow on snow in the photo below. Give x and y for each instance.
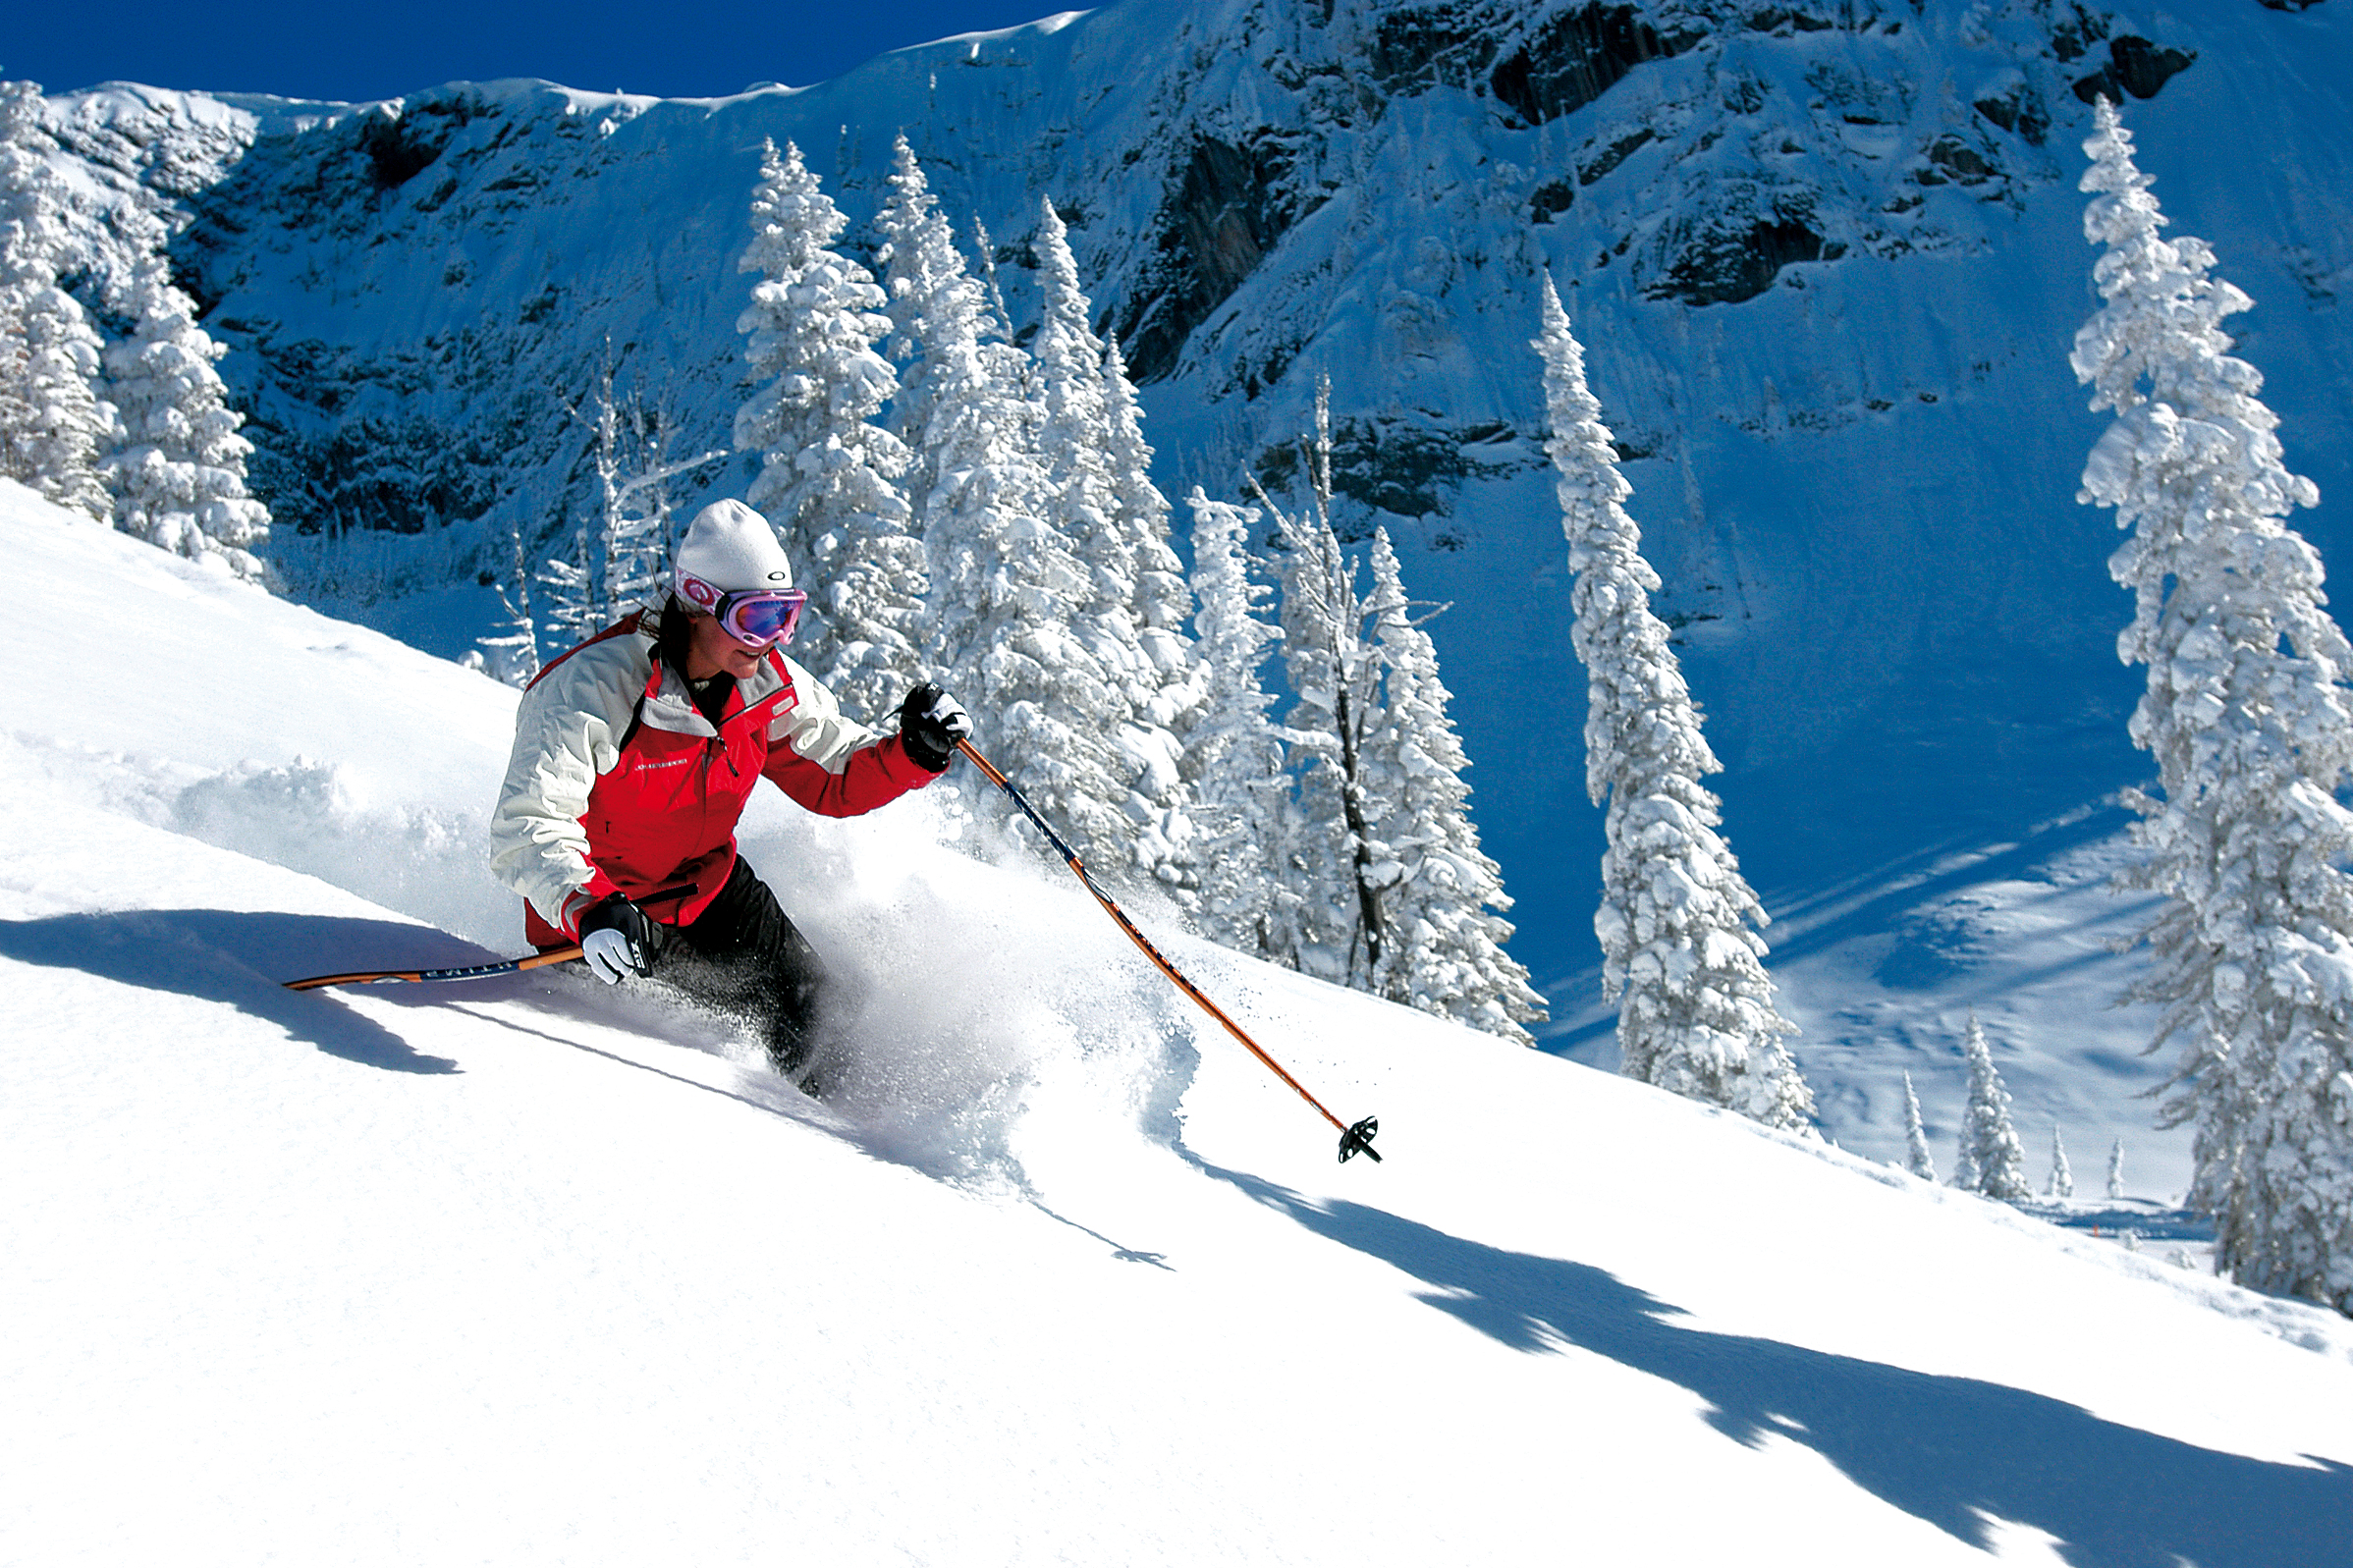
(1949, 1450)
(243, 959)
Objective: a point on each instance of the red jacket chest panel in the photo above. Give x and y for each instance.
(668, 809)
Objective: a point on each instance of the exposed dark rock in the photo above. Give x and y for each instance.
(2135, 66)
(1961, 163)
(1775, 18)
(401, 146)
(366, 476)
(1550, 200)
(1727, 267)
(1255, 379)
(1219, 219)
(1394, 468)
(2073, 36)
(1576, 57)
(1615, 153)
(1396, 465)
(2020, 112)
(1417, 49)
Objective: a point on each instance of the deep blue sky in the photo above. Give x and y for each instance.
(367, 51)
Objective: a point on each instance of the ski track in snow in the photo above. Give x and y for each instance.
(532, 1270)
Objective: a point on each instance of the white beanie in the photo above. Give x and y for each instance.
(730, 548)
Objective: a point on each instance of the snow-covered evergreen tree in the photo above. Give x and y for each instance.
(618, 556)
(2116, 1168)
(178, 471)
(1445, 900)
(635, 513)
(634, 471)
(1163, 598)
(572, 607)
(1006, 586)
(512, 653)
(1332, 924)
(54, 426)
(829, 475)
(1678, 920)
(1118, 523)
(2062, 1178)
(2248, 715)
(1918, 1160)
(1233, 754)
(1991, 1160)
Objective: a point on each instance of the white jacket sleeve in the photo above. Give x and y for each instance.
(568, 733)
(815, 726)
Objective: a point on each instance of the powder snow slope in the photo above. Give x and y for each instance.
(535, 1271)
(1827, 260)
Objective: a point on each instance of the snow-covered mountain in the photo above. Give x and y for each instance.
(533, 1270)
(1825, 258)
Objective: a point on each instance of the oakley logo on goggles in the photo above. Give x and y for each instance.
(756, 616)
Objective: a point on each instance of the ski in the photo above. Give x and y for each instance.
(478, 971)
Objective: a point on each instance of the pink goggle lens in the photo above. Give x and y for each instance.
(761, 617)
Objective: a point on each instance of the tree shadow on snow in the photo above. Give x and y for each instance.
(243, 959)
(1949, 1450)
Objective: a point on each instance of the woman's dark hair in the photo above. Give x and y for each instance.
(671, 638)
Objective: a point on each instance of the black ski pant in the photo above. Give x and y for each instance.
(741, 956)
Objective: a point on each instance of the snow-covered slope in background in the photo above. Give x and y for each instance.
(534, 1272)
(1826, 260)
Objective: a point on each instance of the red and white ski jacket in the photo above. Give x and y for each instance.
(617, 783)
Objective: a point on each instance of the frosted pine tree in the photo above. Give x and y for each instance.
(925, 277)
(2116, 1168)
(572, 607)
(576, 600)
(618, 556)
(178, 471)
(512, 653)
(1992, 1159)
(54, 426)
(828, 480)
(1116, 523)
(2248, 716)
(634, 471)
(1163, 599)
(1006, 586)
(1918, 1160)
(1332, 924)
(1679, 948)
(2062, 1178)
(1445, 900)
(1234, 753)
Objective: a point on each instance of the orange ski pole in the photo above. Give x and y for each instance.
(1354, 1138)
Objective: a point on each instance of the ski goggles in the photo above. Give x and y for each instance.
(758, 617)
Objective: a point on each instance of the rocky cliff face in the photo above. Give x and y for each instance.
(486, 240)
(1824, 256)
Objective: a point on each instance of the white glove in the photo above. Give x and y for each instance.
(616, 939)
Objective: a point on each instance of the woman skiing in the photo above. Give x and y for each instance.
(636, 753)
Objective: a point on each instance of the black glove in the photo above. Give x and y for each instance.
(617, 939)
(930, 724)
